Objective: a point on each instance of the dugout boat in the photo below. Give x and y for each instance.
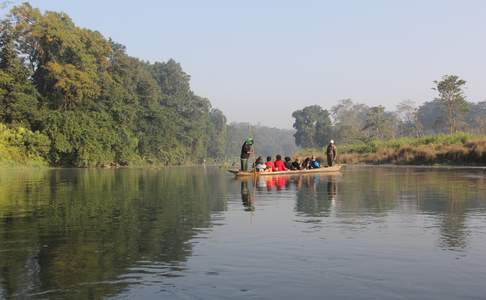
(321, 170)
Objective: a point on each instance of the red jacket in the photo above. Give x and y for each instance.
(270, 165)
(280, 166)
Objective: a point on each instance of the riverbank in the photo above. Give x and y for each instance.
(456, 150)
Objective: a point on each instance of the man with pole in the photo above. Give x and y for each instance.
(246, 151)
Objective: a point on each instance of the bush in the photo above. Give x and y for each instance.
(22, 147)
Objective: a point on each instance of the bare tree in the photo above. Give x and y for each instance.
(408, 113)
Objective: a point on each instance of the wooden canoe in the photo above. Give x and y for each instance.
(332, 169)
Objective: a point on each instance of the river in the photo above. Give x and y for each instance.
(198, 233)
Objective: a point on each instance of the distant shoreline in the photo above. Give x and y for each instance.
(354, 165)
(459, 150)
(439, 167)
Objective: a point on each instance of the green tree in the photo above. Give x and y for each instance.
(217, 134)
(451, 96)
(313, 125)
(18, 96)
(379, 124)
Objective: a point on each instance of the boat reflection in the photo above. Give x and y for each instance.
(306, 186)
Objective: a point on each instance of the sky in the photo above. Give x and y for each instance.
(258, 61)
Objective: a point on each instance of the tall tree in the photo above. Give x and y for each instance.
(313, 125)
(349, 120)
(379, 123)
(18, 96)
(217, 134)
(451, 96)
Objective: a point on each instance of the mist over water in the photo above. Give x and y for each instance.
(198, 233)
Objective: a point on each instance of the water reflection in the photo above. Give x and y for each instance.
(71, 233)
(378, 192)
(93, 233)
(314, 193)
(247, 197)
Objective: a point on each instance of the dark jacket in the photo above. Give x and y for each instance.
(245, 151)
(331, 150)
(296, 166)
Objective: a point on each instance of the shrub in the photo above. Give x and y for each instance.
(22, 147)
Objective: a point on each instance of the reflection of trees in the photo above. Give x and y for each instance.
(450, 195)
(446, 194)
(370, 191)
(63, 228)
(375, 192)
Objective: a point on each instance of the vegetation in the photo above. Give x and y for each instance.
(22, 147)
(313, 125)
(353, 123)
(457, 149)
(447, 130)
(95, 104)
(452, 98)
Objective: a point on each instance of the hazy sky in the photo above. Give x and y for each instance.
(258, 61)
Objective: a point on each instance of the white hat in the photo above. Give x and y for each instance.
(332, 141)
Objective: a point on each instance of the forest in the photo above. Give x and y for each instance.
(70, 97)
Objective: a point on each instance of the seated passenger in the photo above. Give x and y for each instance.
(306, 163)
(270, 165)
(260, 165)
(296, 165)
(279, 164)
(288, 163)
(314, 163)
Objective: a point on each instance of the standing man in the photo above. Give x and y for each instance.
(246, 150)
(331, 153)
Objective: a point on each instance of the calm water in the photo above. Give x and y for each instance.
(186, 233)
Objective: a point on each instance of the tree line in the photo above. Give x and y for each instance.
(349, 122)
(269, 141)
(89, 103)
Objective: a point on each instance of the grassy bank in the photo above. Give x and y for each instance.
(458, 149)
